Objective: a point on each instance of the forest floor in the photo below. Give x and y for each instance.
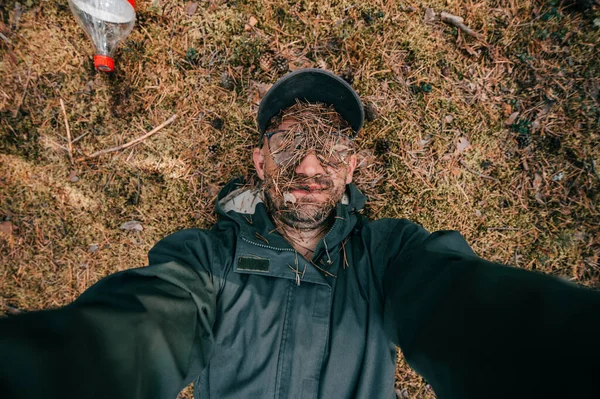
(494, 134)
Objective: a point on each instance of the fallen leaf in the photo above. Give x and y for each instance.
(402, 394)
(289, 197)
(430, 16)
(73, 178)
(89, 86)
(7, 227)
(425, 141)
(462, 144)
(257, 91)
(537, 181)
(365, 159)
(132, 225)
(12, 57)
(300, 62)
(558, 177)
(191, 7)
(249, 26)
(11, 310)
(376, 180)
(470, 50)
(563, 210)
(540, 200)
(506, 109)
(511, 119)
(213, 190)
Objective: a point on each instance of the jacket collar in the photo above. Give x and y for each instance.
(272, 254)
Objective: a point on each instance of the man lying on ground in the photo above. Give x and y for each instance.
(293, 293)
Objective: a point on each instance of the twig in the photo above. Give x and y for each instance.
(262, 238)
(323, 270)
(459, 23)
(503, 229)
(463, 163)
(132, 142)
(16, 111)
(75, 140)
(6, 39)
(69, 144)
(592, 162)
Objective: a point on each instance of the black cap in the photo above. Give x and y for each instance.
(311, 85)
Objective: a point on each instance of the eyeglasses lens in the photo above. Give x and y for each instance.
(285, 146)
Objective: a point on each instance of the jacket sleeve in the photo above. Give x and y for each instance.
(141, 333)
(476, 329)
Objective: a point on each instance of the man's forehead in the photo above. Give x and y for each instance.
(287, 122)
(293, 118)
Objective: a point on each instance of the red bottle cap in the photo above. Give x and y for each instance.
(132, 2)
(104, 63)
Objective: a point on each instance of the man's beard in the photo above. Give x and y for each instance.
(303, 213)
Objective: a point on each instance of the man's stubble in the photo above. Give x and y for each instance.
(304, 213)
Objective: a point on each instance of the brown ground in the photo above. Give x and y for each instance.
(495, 136)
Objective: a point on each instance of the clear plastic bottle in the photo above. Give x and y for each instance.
(107, 23)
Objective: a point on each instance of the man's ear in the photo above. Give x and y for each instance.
(258, 156)
(351, 168)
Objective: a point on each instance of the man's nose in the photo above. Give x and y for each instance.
(310, 165)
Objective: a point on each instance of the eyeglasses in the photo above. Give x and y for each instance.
(287, 147)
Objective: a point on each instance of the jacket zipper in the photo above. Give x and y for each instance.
(268, 246)
(293, 250)
(337, 212)
(285, 249)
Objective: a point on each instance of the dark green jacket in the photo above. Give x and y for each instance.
(237, 310)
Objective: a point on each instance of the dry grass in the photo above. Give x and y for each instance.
(524, 193)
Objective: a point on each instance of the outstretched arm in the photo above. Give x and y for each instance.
(142, 333)
(475, 329)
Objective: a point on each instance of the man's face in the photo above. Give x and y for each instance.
(304, 176)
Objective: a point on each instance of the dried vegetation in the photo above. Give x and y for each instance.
(495, 135)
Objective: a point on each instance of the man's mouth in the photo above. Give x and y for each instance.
(303, 192)
(308, 189)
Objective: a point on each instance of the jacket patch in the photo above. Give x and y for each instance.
(253, 264)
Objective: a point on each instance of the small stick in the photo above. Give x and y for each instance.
(132, 142)
(459, 23)
(16, 111)
(75, 140)
(323, 270)
(6, 39)
(262, 238)
(69, 146)
(594, 169)
(463, 163)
